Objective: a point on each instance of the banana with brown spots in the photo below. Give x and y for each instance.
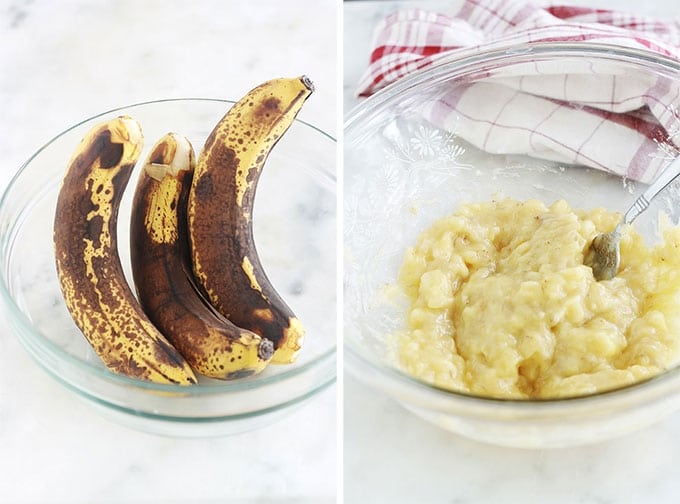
(161, 267)
(220, 210)
(91, 277)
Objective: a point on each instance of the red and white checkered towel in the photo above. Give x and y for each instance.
(577, 113)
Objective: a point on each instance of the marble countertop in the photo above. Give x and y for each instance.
(392, 456)
(62, 62)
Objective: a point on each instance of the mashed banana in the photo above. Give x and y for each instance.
(501, 304)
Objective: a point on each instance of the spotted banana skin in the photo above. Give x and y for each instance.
(220, 209)
(89, 270)
(161, 267)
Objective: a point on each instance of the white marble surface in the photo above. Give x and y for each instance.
(392, 456)
(66, 60)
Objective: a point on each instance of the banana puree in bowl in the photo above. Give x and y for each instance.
(466, 297)
(500, 303)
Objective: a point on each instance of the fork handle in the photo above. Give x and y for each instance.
(670, 173)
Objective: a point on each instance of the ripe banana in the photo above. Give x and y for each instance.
(88, 266)
(161, 267)
(220, 210)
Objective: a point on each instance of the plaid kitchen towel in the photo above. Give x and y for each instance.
(572, 113)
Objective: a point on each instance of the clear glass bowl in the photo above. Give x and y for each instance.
(295, 230)
(401, 172)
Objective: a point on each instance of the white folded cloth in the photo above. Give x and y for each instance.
(572, 111)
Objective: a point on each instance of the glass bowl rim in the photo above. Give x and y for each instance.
(364, 110)
(101, 371)
(500, 53)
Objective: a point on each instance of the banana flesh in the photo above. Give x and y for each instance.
(161, 266)
(220, 209)
(88, 265)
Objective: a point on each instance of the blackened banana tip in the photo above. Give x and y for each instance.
(308, 83)
(266, 350)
